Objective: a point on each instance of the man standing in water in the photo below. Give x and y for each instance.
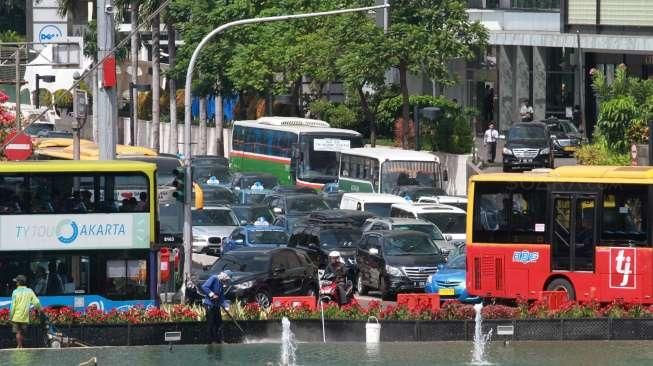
(21, 300)
(214, 300)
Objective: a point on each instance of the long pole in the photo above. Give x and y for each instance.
(581, 84)
(18, 122)
(188, 262)
(37, 102)
(106, 100)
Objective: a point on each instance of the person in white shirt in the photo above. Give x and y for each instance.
(526, 112)
(490, 141)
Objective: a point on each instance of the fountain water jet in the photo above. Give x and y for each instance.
(480, 340)
(288, 344)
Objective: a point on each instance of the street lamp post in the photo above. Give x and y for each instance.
(45, 78)
(187, 109)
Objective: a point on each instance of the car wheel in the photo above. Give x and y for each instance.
(360, 286)
(560, 284)
(262, 297)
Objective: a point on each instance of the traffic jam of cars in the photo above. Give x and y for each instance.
(282, 240)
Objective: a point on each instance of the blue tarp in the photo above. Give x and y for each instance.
(228, 105)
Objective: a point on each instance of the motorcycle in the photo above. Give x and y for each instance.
(329, 290)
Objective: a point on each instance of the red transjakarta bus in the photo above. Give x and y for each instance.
(579, 229)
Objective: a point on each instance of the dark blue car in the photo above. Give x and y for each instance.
(450, 283)
(256, 236)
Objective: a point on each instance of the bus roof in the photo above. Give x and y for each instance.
(292, 121)
(296, 128)
(386, 153)
(576, 173)
(56, 166)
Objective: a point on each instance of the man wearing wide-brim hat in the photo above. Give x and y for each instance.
(21, 299)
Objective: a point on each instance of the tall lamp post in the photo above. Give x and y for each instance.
(45, 78)
(187, 108)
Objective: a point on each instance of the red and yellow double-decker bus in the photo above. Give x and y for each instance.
(579, 229)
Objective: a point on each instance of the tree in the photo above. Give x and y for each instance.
(425, 36)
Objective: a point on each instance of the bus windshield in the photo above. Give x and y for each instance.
(406, 173)
(319, 162)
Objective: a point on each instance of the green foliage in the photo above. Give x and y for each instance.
(11, 36)
(45, 97)
(626, 106)
(451, 133)
(63, 99)
(600, 153)
(337, 114)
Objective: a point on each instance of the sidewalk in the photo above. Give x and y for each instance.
(482, 155)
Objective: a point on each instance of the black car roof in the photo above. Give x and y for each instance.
(396, 233)
(293, 189)
(526, 124)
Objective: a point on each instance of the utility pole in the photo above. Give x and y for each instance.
(107, 110)
(18, 121)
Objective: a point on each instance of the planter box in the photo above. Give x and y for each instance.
(630, 329)
(442, 330)
(105, 335)
(586, 329)
(399, 331)
(538, 330)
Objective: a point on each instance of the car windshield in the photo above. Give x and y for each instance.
(202, 173)
(267, 237)
(305, 204)
(252, 196)
(171, 215)
(242, 262)
(418, 193)
(408, 173)
(410, 245)
(448, 223)
(251, 214)
(429, 229)
(379, 209)
(458, 262)
(217, 195)
(209, 217)
(266, 182)
(341, 238)
(527, 133)
(320, 162)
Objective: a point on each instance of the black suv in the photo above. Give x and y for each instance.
(528, 145)
(318, 240)
(259, 274)
(395, 261)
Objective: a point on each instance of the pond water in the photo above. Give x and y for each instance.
(405, 354)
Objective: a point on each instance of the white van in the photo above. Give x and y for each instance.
(376, 203)
(449, 219)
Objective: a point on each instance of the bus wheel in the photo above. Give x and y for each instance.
(560, 284)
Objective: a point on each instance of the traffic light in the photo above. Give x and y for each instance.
(180, 184)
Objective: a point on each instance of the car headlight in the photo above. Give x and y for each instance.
(244, 285)
(394, 271)
(507, 151)
(545, 151)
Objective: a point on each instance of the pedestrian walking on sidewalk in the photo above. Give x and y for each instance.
(21, 299)
(490, 141)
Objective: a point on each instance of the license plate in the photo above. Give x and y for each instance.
(569, 148)
(420, 284)
(446, 292)
(526, 160)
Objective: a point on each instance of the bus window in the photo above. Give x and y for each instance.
(12, 194)
(624, 215)
(46, 275)
(394, 173)
(126, 278)
(505, 216)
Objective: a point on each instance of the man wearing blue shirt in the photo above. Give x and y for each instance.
(214, 299)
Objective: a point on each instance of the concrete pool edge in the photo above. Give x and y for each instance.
(353, 331)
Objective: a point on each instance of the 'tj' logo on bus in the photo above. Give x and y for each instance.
(622, 268)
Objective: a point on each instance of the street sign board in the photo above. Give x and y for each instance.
(19, 147)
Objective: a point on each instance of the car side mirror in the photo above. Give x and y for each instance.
(277, 210)
(374, 251)
(448, 237)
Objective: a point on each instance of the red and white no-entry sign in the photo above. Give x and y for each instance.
(20, 147)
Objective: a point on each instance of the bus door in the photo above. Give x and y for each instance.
(574, 231)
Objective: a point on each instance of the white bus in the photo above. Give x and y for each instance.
(297, 151)
(379, 170)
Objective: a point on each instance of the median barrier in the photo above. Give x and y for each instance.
(412, 301)
(295, 301)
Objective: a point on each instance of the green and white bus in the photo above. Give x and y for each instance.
(379, 170)
(297, 151)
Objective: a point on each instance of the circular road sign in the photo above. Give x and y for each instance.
(20, 147)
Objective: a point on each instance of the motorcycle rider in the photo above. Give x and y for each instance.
(336, 272)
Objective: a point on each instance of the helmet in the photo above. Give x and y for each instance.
(224, 276)
(334, 254)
